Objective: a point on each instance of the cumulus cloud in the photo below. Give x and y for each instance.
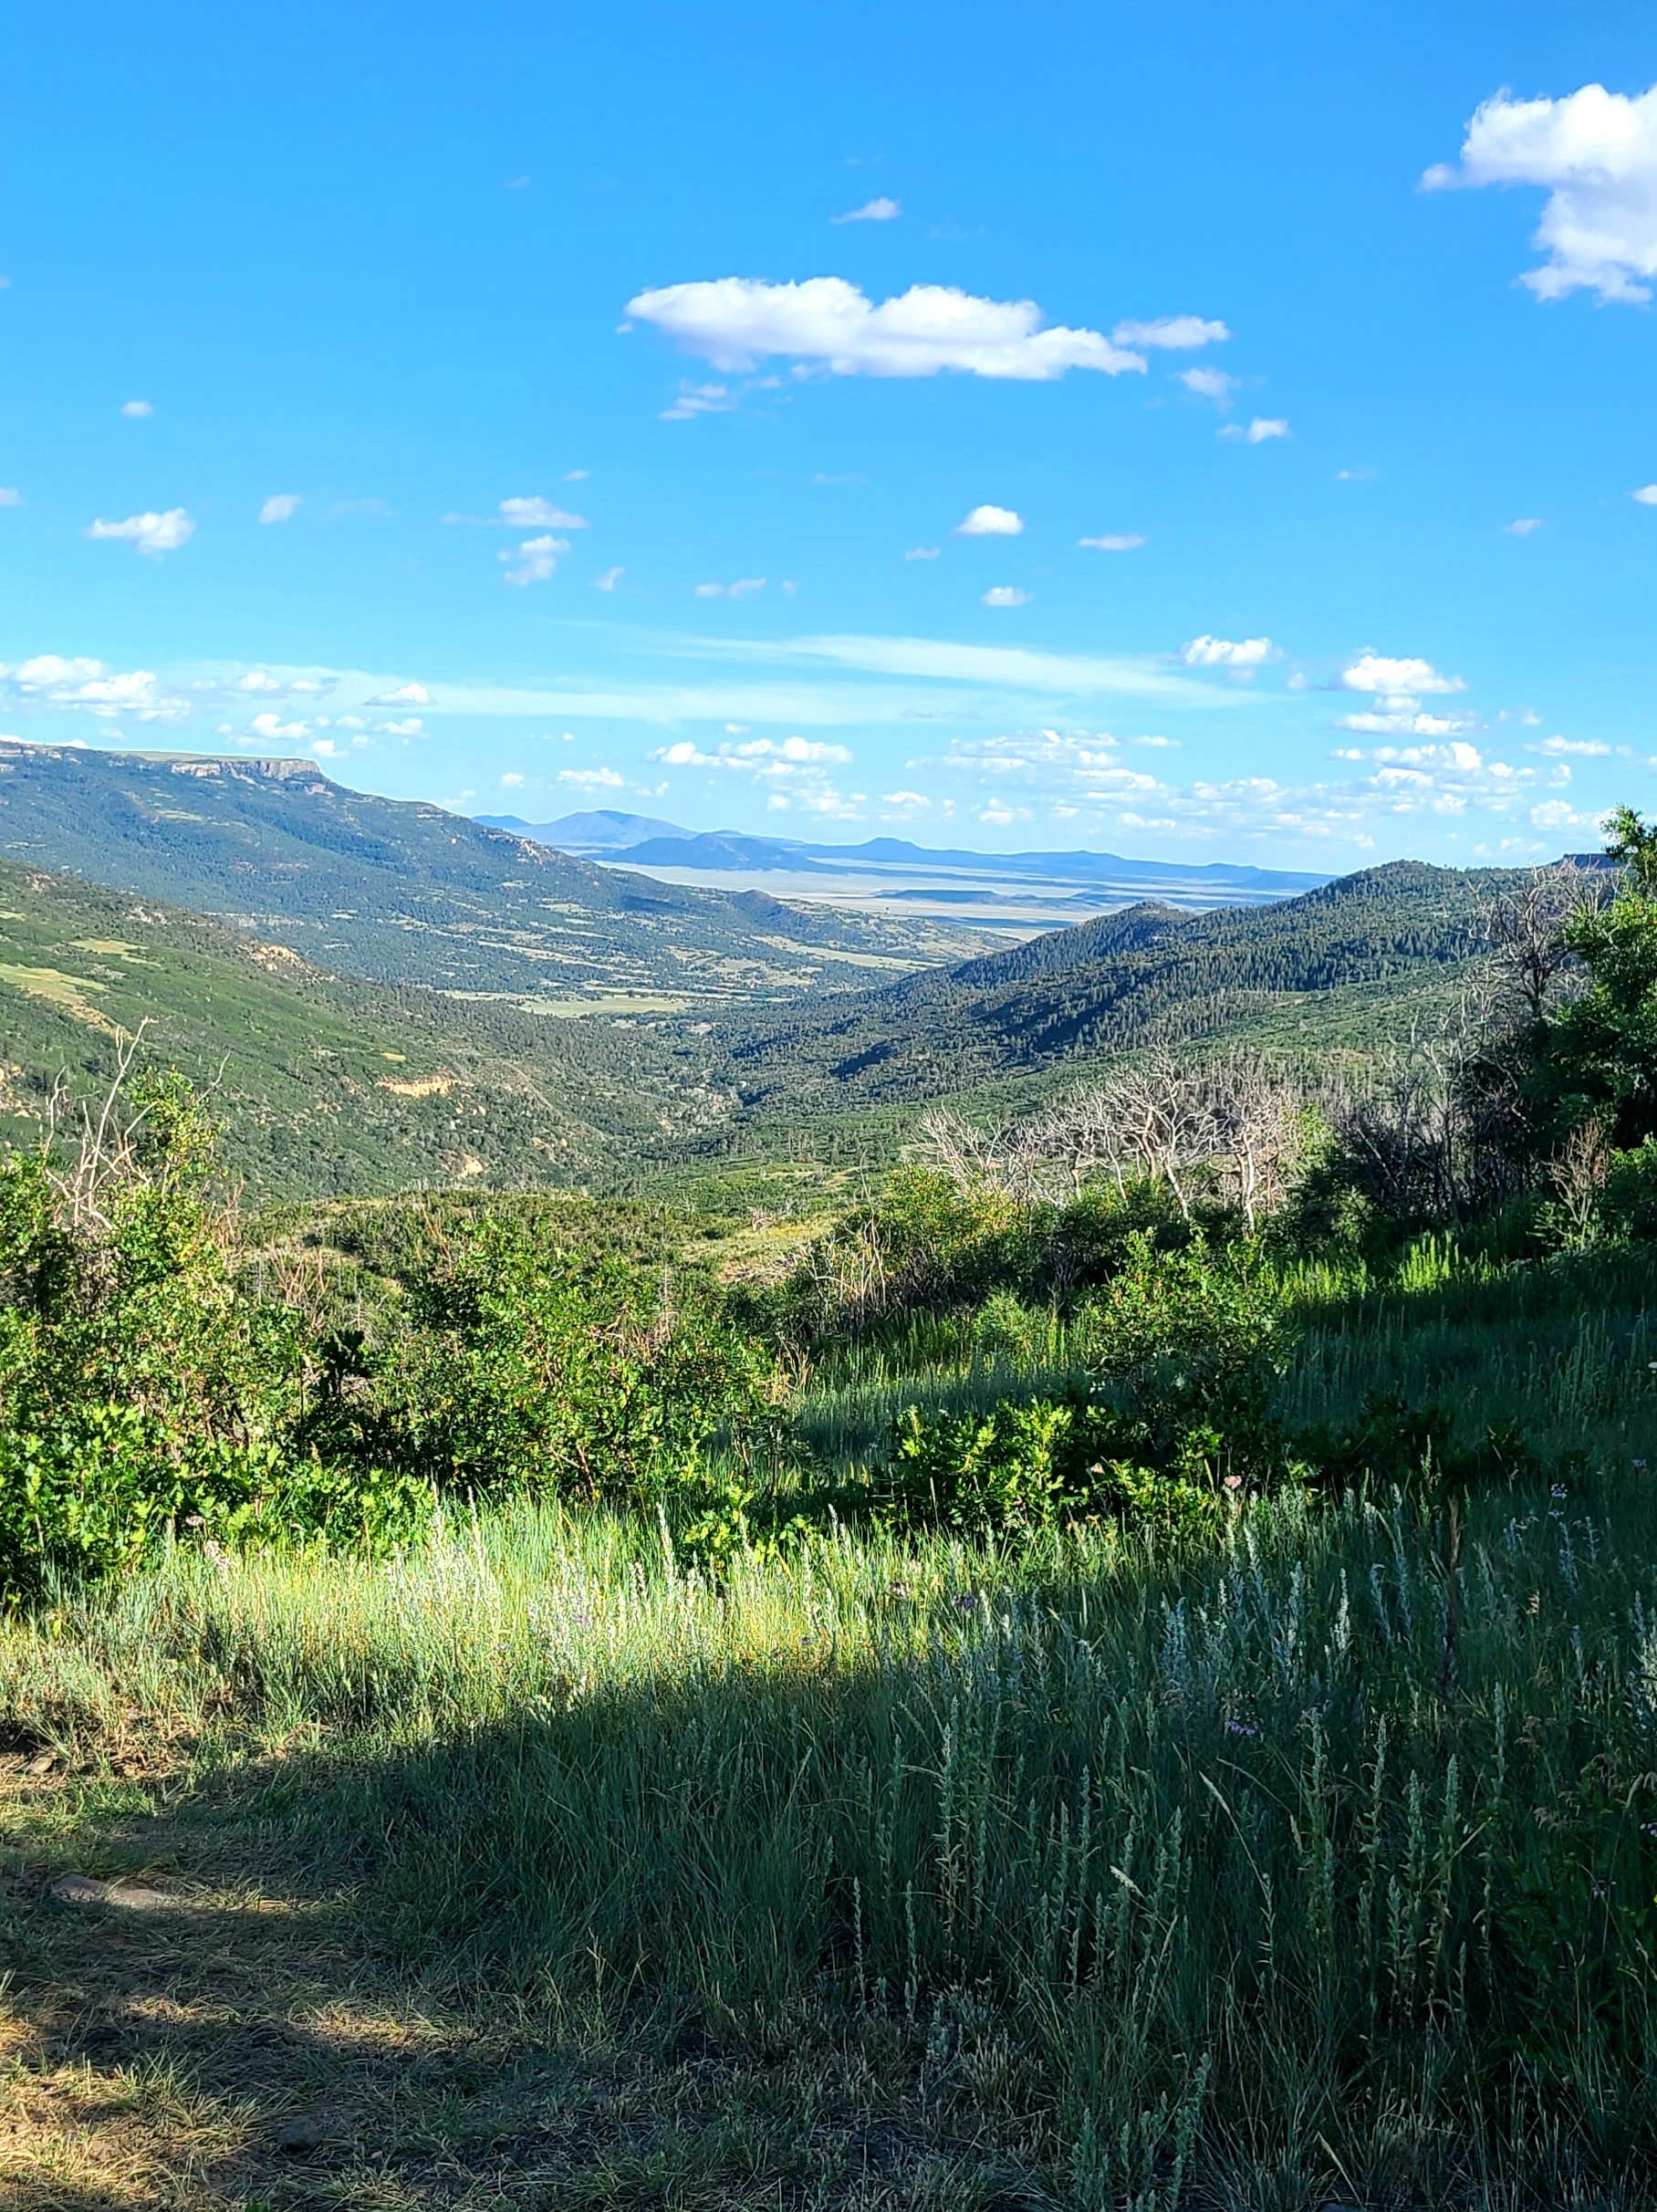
(1527, 525)
(991, 522)
(10, 496)
(281, 506)
(591, 779)
(1646, 496)
(873, 211)
(1594, 154)
(137, 411)
(56, 680)
(1585, 749)
(269, 728)
(744, 587)
(1005, 595)
(922, 553)
(150, 534)
(608, 579)
(1379, 672)
(757, 756)
(535, 560)
(1228, 652)
(1172, 333)
(736, 322)
(1125, 541)
(402, 695)
(1258, 431)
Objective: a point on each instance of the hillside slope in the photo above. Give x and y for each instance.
(398, 891)
(327, 1087)
(1380, 939)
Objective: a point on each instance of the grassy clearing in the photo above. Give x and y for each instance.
(530, 1871)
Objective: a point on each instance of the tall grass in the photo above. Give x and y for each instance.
(1322, 1857)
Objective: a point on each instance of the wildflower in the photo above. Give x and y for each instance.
(1558, 1490)
(1639, 1463)
(1233, 1482)
(1241, 1728)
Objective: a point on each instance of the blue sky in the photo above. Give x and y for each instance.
(707, 412)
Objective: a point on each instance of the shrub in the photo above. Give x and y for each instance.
(586, 1378)
(1024, 1467)
(142, 1391)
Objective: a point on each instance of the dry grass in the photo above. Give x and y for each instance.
(251, 2050)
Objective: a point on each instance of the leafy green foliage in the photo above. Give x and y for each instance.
(586, 1379)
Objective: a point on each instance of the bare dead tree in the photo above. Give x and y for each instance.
(1527, 931)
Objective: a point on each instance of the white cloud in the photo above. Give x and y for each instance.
(535, 560)
(281, 506)
(1005, 595)
(1527, 525)
(1228, 652)
(922, 553)
(1209, 385)
(997, 815)
(1173, 333)
(1594, 154)
(1646, 496)
(745, 587)
(769, 758)
(538, 515)
(1355, 475)
(577, 475)
(513, 781)
(269, 728)
(872, 210)
(695, 400)
(137, 411)
(1556, 814)
(55, 680)
(10, 496)
(991, 522)
(260, 680)
(591, 779)
(411, 726)
(609, 580)
(1376, 672)
(401, 694)
(1585, 748)
(1405, 722)
(734, 322)
(151, 534)
(1257, 431)
(1127, 541)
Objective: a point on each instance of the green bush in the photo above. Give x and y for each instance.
(586, 1378)
(1024, 1467)
(141, 1391)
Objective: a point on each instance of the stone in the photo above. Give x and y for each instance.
(124, 1897)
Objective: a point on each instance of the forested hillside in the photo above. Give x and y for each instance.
(401, 891)
(1359, 955)
(324, 1085)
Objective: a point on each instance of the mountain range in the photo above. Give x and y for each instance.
(378, 992)
(399, 892)
(643, 842)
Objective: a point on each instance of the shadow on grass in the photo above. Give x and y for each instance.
(1002, 1911)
